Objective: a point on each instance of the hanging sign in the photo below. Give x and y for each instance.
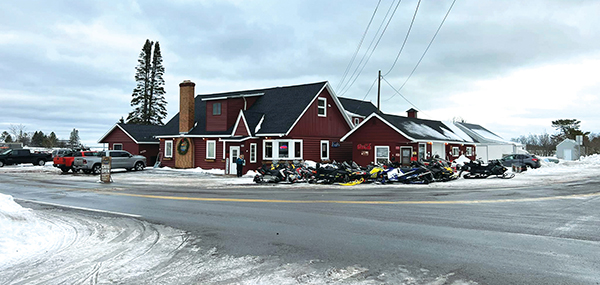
(335, 144)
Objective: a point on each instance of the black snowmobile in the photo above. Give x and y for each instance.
(476, 169)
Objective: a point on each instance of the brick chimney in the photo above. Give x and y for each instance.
(186, 106)
(412, 113)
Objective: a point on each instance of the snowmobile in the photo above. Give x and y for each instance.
(441, 171)
(270, 174)
(476, 169)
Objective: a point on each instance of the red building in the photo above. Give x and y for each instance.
(293, 123)
(136, 139)
(382, 137)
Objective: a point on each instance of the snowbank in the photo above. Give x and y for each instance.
(23, 232)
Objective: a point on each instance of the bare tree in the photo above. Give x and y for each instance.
(20, 134)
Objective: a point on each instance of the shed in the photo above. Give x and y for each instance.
(568, 150)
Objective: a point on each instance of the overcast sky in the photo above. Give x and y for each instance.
(510, 66)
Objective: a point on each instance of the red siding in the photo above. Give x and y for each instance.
(200, 154)
(376, 133)
(216, 122)
(241, 129)
(233, 110)
(169, 162)
(332, 126)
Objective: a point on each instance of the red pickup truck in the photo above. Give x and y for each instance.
(65, 161)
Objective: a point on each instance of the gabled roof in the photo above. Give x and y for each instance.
(414, 129)
(276, 110)
(140, 134)
(481, 134)
(359, 107)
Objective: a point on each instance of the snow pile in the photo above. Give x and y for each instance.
(591, 159)
(23, 232)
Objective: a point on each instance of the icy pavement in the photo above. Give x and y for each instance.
(63, 247)
(56, 246)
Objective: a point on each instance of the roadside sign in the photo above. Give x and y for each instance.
(105, 169)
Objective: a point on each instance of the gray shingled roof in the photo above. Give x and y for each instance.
(142, 133)
(423, 130)
(360, 107)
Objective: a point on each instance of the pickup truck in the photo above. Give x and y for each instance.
(119, 158)
(18, 156)
(65, 160)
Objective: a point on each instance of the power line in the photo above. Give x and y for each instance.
(346, 88)
(359, 45)
(405, 38)
(398, 92)
(363, 99)
(427, 49)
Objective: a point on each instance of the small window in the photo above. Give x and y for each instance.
(211, 149)
(118, 146)
(382, 154)
(422, 151)
(356, 121)
(168, 148)
(252, 153)
(325, 150)
(297, 149)
(469, 151)
(322, 107)
(216, 109)
(268, 152)
(455, 151)
(284, 149)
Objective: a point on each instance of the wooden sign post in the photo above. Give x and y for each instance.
(105, 170)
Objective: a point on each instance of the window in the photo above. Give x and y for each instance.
(118, 146)
(211, 149)
(216, 109)
(455, 151)
(168, 148)
(252, 153)
(282, 149)
(322, 107)
(325, 150)
(469, 151)
(422, 151)
(297, 149)
(382, 154)
(356, 121)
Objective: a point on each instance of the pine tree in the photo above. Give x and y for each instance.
(5, 136)
(38, 139)
(148, 96)
(74, 139)
(51, 140)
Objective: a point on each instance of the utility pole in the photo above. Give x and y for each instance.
(379, 91)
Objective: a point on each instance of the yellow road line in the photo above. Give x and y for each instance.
(577, 196)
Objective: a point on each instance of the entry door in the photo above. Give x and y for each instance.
(234, 152)
(405, 154)
(567, 154)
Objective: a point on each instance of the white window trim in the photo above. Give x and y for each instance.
(356, 121)
(291, 149)
(321, 150)
(469, 151)
(253, 146)
(214, 146)
(324, 106)
(424, 154)
(377, 157)
(170, 155)
(114, 144)
(457, 151)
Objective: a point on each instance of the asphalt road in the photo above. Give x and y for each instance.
(546, 234)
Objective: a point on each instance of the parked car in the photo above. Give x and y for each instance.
(528, 160)
(64, 160)
(18, 156)
(120, 159)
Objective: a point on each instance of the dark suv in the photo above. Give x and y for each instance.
(528, 160)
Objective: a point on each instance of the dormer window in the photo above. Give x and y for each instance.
(216, 109)
(322, 107)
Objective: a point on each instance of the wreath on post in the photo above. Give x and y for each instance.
(183, 146)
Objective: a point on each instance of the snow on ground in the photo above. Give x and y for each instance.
(69, 247)
(62, 247)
